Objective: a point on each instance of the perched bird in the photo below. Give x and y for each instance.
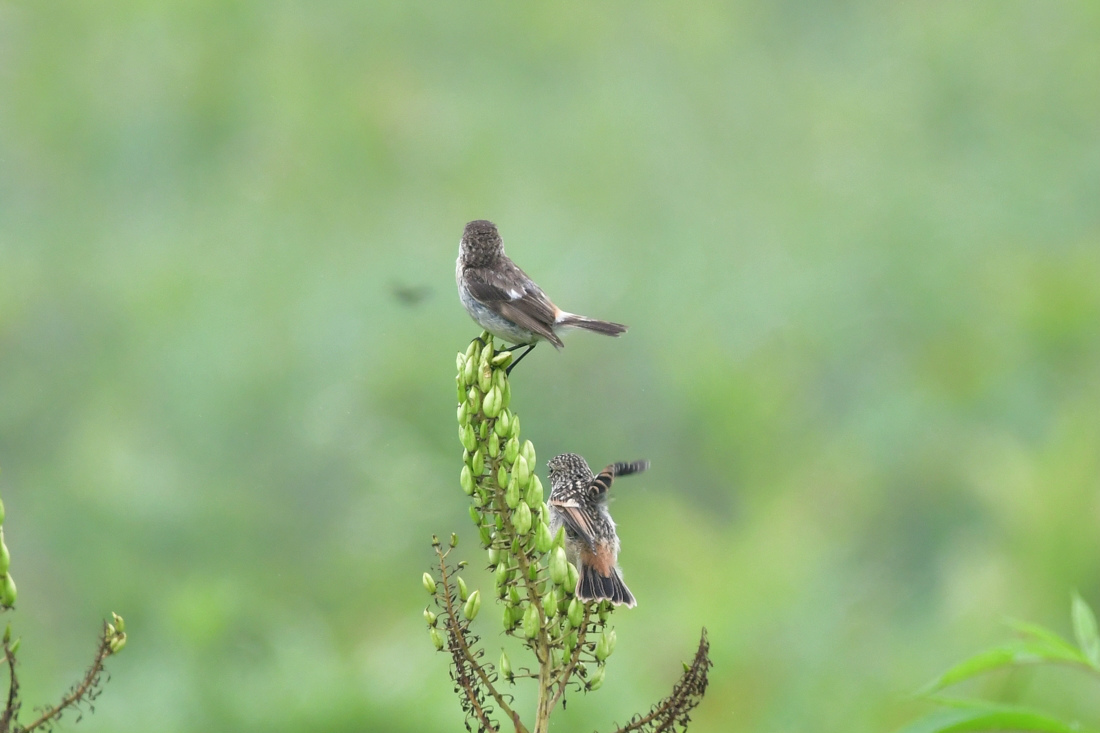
(578, 501)
(507, 303)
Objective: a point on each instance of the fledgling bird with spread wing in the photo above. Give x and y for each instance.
(505, 301)
(578, 501)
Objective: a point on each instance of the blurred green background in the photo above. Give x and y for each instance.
(858, 246)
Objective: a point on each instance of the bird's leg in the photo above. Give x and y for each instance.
(512, 366)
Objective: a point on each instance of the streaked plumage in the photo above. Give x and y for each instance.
(578, 501)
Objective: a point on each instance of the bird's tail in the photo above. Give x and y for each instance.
(572, 320)
(592, 586)
(625, 469)
(604, 478)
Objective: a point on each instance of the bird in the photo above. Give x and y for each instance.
(507, 303)
(578, 502)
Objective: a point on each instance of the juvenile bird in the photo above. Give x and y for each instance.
(505, 301)
(578, 501)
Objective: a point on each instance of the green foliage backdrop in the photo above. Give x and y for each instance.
(858, 247)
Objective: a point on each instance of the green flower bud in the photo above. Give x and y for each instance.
(575, 613)
(498, 521)
(534, 492)
(559, 566)
(533, 571)
(5, 556)
(437, 638)
(503, 425)
(528, 452)
(7, 634)
(502, 575)
(511, 494)
(460, 389)
(454, 540)
(119, 621)
(477, 464)
(475, 515)
(469, 372)
(502, 360)
(7, 591)
(502, 476)
(429, 583)
(483, 532)
(514, 597)
(531, 622)
(605, 610)
(602, 647)
(569, 642)
(515, 418)
(521, 520)
(460, 362)
(559, 538)
(494, 555)
(550, 602)
(473, 351)
(463, 412)
(473, 399)
(466, 435)
(491, 404)
(522, 469)
(506, 399)
(429, 617)
(116, 643)
(505, 666)
(462, 592)
(1, 511)
(484, 377)
(487, 351)
(511, 451)
(596, 681)
(574, 576)
(494, 446)
(543, 540)
(473, 605)
(466, 478)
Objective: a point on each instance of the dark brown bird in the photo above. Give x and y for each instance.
(505, 301)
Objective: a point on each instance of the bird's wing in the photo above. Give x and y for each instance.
(576, 519)
(513, 295)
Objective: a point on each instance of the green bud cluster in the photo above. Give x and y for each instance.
(114, 634)
(532, 577)
(498, 476)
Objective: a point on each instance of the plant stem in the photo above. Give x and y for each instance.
(460, 638)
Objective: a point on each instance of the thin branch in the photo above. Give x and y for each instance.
(12, 707)
(467, 655)
(674, 711)
(574, 658)
(85, 688)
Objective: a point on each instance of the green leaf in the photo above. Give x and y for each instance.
(974, 715)
(1084, 628)
(1011, 654)
(1041, 633)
